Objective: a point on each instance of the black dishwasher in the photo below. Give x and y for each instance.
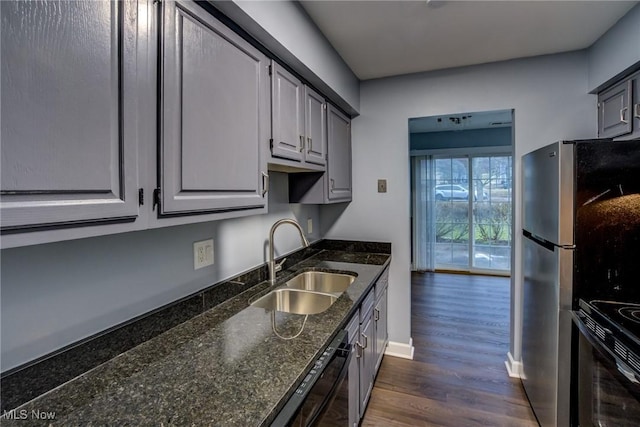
(322, 399)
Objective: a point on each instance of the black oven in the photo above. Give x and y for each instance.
(322, 399)
(606, 387)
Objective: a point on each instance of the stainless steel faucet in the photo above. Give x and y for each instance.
(273, 267)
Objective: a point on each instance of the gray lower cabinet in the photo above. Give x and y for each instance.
(298, 124)
(619, 109)
(69, 90)
(367, 359)
(354, 371)
(368, 337)
(366, 346)
(381, 330)
(214, 115)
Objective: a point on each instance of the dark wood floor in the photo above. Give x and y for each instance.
(460, 328)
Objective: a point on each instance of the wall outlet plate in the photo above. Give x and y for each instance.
(309, 226)
(202, 254)
(382, 186)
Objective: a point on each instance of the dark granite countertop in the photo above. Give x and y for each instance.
(224, 367)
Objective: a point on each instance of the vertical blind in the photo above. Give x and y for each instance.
(423, 214)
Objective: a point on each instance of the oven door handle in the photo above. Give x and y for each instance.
(344, 352)
(628, 374)
(622, 367)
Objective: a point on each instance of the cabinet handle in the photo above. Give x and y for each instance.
(377, 314)
(333, 184)
(301, 143)
(636, 109)
(309, 145)
(623, 113)
(366, 341)
(265, 183)
(359, 349)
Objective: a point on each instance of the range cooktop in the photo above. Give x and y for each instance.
(617, 326)
(623, 314)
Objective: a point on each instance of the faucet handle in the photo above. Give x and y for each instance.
(278, 266)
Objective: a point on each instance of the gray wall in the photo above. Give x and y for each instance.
(55, 294)
(617, 50)
(549, 95)
(460, 139)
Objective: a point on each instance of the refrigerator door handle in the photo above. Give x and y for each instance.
(540, 241)
(545, 243)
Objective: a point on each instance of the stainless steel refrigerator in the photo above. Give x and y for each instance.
(560, 181)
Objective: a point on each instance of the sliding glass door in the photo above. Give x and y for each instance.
(451, 199)
(462, 212)
(491, 207)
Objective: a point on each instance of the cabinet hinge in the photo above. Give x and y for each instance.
(140, 196)
(270, 70)
(324, 106)
(271, 144)
(156, 198)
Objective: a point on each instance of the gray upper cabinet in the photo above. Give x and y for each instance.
(287, 106)
(315, 147)
(333, 186)
(635, 82)
(215, 115)
(299, 132)
(339, 156)
(615, 110)
(69, 113)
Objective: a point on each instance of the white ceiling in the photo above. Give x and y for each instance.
(386, 38)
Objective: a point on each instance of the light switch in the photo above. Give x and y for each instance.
(382, 186)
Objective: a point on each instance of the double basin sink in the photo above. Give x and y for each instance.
(311, 292)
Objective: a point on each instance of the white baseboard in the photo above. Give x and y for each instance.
(514, 368)
(398, 349)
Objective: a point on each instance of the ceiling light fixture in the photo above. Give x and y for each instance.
(434, 4)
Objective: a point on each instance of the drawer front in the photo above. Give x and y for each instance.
(382, 283)
(367, 305)
(353, 327)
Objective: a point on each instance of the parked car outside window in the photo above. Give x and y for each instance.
(455, 192)
(451, 192)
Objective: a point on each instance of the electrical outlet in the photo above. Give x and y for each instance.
(382, 186)
(309, 226)
(202, 254)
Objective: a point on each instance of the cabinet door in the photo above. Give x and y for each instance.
(354, 386)
(315, 147)
(614, 110)
(339, 155)
(287, 108)
(380, 318)
(68, 100)
(635, 81)
(367, 356)
(214, 114)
